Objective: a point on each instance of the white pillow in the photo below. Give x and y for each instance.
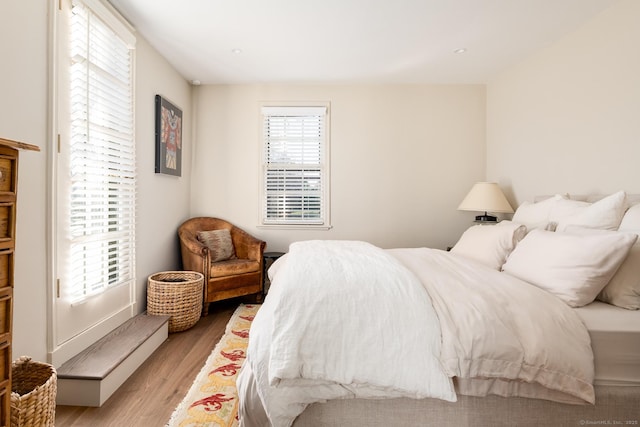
(490, 244)
(623, 289)
(566, 208)
(574, 267)
(535, 215)
(604, 214)
(631, 219)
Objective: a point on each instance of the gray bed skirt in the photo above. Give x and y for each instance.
(614, 406)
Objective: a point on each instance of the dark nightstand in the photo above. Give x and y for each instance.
(269, 258)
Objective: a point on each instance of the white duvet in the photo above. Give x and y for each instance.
(501, 335)
(348, 320)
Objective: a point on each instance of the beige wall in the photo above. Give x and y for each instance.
(402, 159)
(23, 117)
(163, 200)
(568, 118)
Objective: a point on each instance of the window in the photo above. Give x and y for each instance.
(101, 206)
(95, 168)
(295, 166)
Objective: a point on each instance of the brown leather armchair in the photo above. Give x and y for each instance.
(231, 278)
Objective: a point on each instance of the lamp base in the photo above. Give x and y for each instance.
(486, 218)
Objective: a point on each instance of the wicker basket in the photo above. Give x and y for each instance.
(177, 294)
(33, 393)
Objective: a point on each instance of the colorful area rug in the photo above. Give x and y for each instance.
(212, 400)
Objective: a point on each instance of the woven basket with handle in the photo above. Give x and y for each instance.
(177, 294)
(33, 393)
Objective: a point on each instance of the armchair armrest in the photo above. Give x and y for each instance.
(247, 246)
(194, 246)
(195, 255)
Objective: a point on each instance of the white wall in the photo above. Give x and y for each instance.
(568, 118)
(163, 200)
(23, 117)
(402, 159)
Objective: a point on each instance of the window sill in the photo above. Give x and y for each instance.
(296, 226)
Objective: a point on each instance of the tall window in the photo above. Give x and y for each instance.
(96, 174)
(295, 166)
(102, 193)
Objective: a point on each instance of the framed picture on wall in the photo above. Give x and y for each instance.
(168, 137)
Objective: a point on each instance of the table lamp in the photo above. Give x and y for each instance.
(486, 197)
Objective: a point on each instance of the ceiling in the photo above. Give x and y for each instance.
(349, 41)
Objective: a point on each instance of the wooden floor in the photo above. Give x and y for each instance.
(149, 396)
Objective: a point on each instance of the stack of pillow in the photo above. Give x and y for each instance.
(577, 250)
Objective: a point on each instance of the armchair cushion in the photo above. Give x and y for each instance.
(233, 267)
(219, 243)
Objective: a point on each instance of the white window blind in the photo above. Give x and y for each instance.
(102, 175)
(295, 166)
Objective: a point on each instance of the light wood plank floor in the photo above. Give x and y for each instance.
(149, 396)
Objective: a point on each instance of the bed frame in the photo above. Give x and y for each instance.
(616, 405)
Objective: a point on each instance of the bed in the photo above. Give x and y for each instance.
(495, 332)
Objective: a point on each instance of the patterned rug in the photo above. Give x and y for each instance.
(212, 400)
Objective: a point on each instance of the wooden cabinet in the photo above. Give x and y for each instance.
(8, 198)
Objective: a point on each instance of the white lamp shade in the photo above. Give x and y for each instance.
(486, 197)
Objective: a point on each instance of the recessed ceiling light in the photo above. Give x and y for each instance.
(461, 50)
(236, 51)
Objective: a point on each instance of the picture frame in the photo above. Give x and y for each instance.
(168, 135)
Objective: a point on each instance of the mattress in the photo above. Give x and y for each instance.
(615, 339)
